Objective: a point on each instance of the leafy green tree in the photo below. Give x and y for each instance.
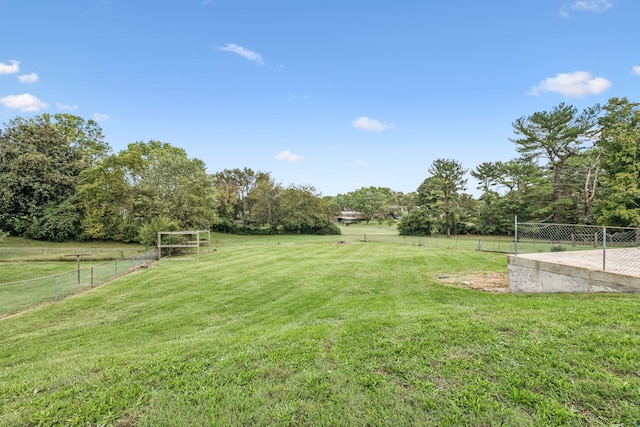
(41, 159)
(581, 176)
(179, 189)
(496, 216)
(368, 201)
(58, 223)
(619, 200)
(399, 204)
(107, 193)
(301, 210)
(263, 199)
(441, 192)
(233, 189)
(147, 180)
(85, 135)
(557, 136)
(418, 222)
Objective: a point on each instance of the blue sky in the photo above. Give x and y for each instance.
(338, 94)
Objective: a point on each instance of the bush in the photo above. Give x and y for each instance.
(416, 223)
(148, 234)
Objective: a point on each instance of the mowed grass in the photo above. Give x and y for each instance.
(14, 271)
(309, 332)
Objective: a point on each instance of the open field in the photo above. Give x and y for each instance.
(24, 259)
(310, 332)
(16, 249)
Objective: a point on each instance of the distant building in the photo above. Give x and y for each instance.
(348, 217)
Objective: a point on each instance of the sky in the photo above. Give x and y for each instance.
(336, 94)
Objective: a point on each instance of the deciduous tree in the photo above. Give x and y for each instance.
(41, 159)
(619, 200)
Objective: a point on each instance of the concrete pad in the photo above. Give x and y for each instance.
(576, 271)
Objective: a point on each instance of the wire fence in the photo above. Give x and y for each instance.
(25, 253)
(20, 295)
(593, 247)
(455, 242)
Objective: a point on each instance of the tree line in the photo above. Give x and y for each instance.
(60, 180)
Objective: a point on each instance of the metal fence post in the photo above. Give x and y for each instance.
(604, 248)
(116, 264)
(56, 288)
(515, 236)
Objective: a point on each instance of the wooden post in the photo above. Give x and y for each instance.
(78, 262)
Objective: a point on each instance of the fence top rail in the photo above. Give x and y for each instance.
(53, 276)
(184, 232)
(67, 249)
(598, 227)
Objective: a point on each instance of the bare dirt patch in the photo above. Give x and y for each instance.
(489, 282)
(343, 242)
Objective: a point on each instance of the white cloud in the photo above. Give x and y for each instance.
(28, 78)
(25, 102)
(597, 6)
(575, 85)
(288, 156)
(11, 68)
(245, 53)
(98, 117)
(371, 125)
(66, 107)
(636, 70)
(361, 162)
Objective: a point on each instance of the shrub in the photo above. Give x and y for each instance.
(416, 223)
(148, 234)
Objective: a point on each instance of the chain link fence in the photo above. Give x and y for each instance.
(613, 249)
(20, 295)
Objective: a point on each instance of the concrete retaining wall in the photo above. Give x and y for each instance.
(528, 273)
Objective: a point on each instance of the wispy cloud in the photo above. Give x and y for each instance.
(636, 70)
(597, 6)
(593, 6)
(575, 85)
(361, 162)
(371, 125)
(28, 78)
(243, 52)
(206, 2)
(99, 117)
(25, 102)
(288, 156)
(11, 68)
(66, 107)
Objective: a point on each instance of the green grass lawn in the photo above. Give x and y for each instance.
(20, 270)
(303, 331)
(18, 249)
